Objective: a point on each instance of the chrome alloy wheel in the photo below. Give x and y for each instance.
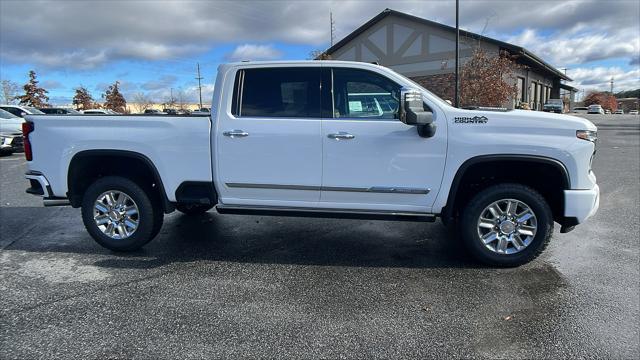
(116, 214)
(507, 226)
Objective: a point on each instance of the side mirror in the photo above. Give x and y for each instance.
(412, 112)
(22, 114)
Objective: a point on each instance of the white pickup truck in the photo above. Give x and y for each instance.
(325, 139)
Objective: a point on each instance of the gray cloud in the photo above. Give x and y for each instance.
(90, 34)
(164, 82)
(124, 85)
(598, 78)
(253, 52)
(51, 84)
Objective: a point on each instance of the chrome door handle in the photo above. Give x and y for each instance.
(235, 133)
(341, 136)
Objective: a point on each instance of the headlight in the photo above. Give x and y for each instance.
(588, 135)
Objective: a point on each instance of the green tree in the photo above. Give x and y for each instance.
(82, 99)
(114, 100)
(34, 95)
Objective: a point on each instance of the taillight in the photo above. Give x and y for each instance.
(27, 128)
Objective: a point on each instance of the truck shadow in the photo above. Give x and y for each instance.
(247, 239)
(298, 241)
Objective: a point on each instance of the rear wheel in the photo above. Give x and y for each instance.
(193, 209)
(119, 214)
(507, 225)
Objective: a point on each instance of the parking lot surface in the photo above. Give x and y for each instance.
(247, 286)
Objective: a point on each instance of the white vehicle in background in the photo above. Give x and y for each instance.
(580, 110)
(619, 112)
(10, 132)
(633, 112)
(10, 123)
(595, 109)
(20, 110)
(99, 112)
(307, 138)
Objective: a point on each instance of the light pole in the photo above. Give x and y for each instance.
(457, 89)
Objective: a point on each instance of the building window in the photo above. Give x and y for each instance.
(520, 96)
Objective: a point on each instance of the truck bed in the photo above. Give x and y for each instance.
(178, 146)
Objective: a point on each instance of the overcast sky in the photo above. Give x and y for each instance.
(153, 46)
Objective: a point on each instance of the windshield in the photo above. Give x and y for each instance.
(33, 110)
(7, 115)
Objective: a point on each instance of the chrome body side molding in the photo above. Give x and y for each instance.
(373, 189)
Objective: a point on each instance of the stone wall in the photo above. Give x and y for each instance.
(440, 84)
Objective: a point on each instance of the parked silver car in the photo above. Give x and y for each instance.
(10, 132)
(21, 111)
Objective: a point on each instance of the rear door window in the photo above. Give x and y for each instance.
(278, 92)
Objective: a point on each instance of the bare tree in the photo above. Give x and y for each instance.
(142, 102)
(9, 92)
(319, 55)
(169, 101)
(181, 99)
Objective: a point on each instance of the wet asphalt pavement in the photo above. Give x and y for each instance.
(261, 287)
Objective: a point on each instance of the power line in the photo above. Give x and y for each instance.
(199, 85)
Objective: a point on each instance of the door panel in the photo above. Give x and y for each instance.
(270, 150)
(383, 164)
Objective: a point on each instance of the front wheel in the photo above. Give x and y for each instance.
(119, 214)
(507, 225)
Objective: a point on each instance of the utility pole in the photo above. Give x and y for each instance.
(333, 26)
(457, 95)
(612, 85)
(199, 78)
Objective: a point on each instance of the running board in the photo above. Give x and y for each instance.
(325, 213)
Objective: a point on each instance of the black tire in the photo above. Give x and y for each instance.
(149, 216)
(525, 194)
(193, 209)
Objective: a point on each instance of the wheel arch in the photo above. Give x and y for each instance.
(448, 212)
(78, 180)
